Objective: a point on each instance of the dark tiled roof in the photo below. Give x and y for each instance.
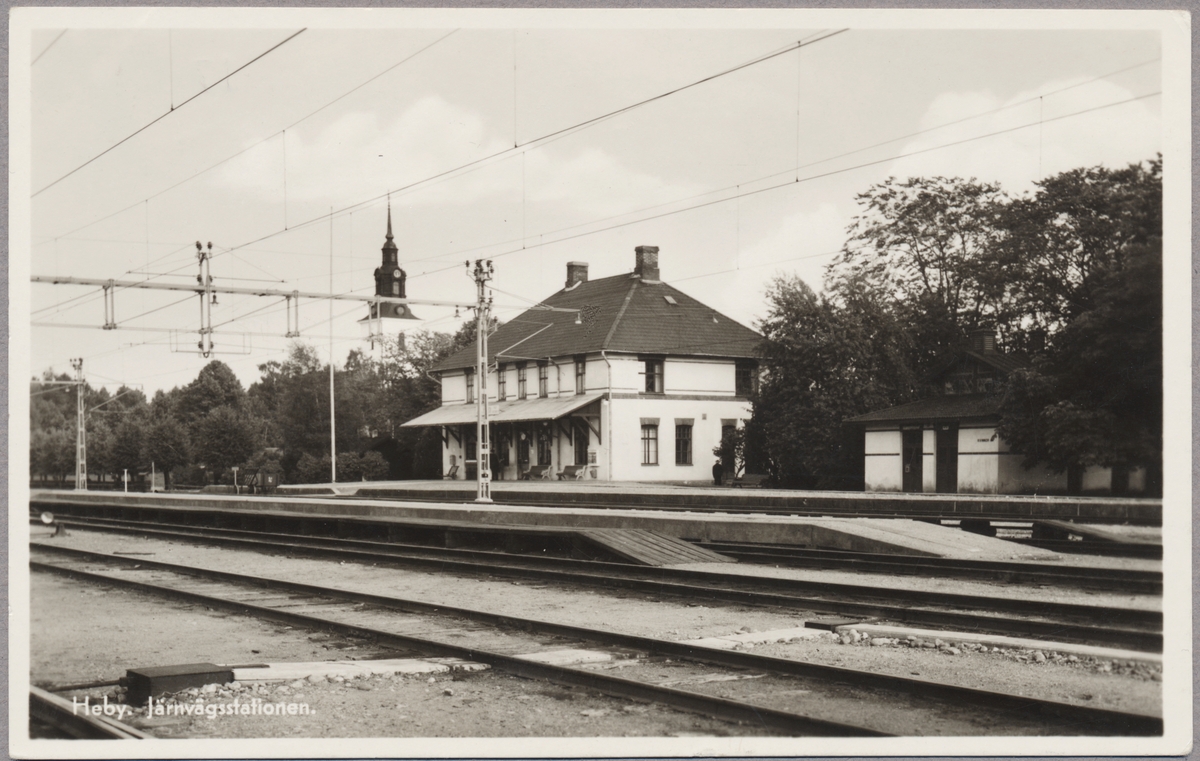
(949, 407)
(1005, 363)
(622, 314)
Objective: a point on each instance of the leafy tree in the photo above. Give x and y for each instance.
(1095, 397)
(1062, 245)
(825, 360)
(167, 446)
(214, 387)
(224, 438)
(312, 470)
(374, 467)
(125, 452)
(924, 247)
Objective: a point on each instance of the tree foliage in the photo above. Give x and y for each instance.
(1069, 275)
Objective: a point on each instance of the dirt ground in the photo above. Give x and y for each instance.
(84, 633)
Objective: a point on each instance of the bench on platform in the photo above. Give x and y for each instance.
(754, 480)
(451, 474)
(572, 471)
(537, 471)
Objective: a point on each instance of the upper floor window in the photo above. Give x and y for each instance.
(543, 379)
(746, 379)
(501, 381)
(653, 373)
(469, 374)
(522, 388)
(580, 375)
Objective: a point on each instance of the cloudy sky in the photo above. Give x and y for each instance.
(476, 134)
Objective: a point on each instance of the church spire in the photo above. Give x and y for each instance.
(389, 232)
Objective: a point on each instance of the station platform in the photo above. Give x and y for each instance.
(878, 535)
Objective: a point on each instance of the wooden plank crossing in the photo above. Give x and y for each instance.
(651, 547)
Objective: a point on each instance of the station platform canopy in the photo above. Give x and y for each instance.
(508, 411)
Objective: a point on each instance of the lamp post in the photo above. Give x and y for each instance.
(482, 274)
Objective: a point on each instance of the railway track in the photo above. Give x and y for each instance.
(781, 696)
(820, 505)
(1098, 625)
(1111, 579)
(61, 716)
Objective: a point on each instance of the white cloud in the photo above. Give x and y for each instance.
(1018, 156)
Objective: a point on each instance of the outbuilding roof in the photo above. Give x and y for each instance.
(937, 408)
(622, 313)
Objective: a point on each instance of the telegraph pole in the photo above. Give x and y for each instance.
(483, 273)
(80, 429)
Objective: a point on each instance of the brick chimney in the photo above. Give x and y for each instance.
(576, 273)
(983, 340)
(647, 263)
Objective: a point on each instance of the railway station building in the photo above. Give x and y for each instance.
(637, 382)
(947, 442)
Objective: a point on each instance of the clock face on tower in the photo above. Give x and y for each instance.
(396, 274)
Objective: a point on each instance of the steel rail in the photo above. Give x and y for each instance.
(1117, 549)
(715, 707)
(1144, 618)
(1100, 721)
(438, 560)
(61, 714)
(1126, 580)
(1117, 579)
(928, 511)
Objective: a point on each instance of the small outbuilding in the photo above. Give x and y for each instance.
(947, 442)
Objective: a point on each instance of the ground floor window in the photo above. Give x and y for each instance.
(649, 444)
(683, 445)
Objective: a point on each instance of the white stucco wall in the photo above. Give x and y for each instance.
(706, 434)
(1015, 479)
(882, 471)
(978, 460)
(696, 376)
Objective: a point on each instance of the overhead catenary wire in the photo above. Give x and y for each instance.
(788, 183)
(269, 137)
(792, 183)
(170, 111)
(529, 144)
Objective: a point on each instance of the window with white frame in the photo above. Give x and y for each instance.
(649, 443)
(501, 381)
(683, 443)
(543, 380)
(469, 374)
(522, 386)
(653, 374)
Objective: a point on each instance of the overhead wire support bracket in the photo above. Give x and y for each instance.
(110, 306)
(293, 315)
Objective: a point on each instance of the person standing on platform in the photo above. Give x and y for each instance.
(718, 471)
